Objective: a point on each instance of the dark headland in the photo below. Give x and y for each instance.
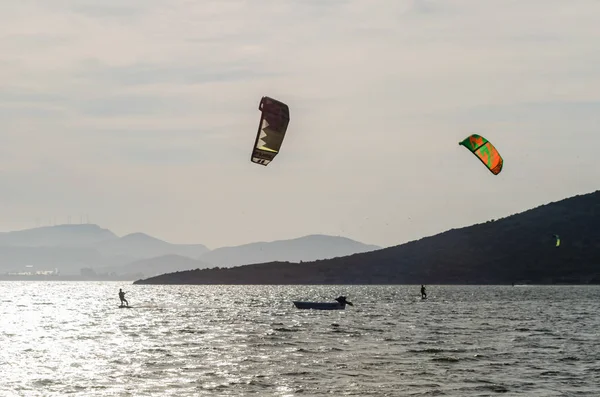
(516, 249)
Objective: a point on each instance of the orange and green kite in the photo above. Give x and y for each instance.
(485, 151)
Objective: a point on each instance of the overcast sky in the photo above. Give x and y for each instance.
(143, 113)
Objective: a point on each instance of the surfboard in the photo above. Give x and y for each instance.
(124, 307)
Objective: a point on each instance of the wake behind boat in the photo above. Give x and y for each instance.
(340, 304)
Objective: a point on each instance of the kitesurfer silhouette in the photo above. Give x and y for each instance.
(423, 293)
(122, 297)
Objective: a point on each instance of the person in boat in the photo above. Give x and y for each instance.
(423, 293)
(342, 301)
(122, 297)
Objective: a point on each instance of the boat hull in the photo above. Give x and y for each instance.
(319, 305)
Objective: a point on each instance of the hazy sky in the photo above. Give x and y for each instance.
(143, 113)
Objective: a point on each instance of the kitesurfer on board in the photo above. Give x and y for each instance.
(423, 293)
(122, 297)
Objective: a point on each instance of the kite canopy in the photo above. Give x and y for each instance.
(271, 130)
(485, 151)
(557, 240)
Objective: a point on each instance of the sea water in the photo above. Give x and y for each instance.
(71, 338)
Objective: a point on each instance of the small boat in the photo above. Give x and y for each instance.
(340, 304)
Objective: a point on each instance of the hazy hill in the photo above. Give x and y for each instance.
(155, 266)
(305, 248)
(518, 248)
(68, 260)
(70, 248)
(142, 246)
(53, 236)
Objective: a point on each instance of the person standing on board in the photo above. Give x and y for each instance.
(122, 297)
(423, 293)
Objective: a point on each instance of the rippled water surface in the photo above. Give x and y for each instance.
(71, 338)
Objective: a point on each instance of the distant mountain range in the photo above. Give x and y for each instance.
(140, 246)
(520, 248)
(308, 248)
(95, 253)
